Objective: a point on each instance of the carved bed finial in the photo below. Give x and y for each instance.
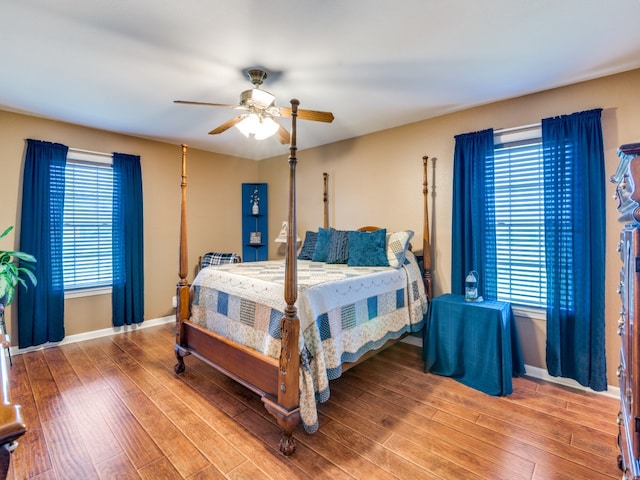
(426, 239)
(325, 199)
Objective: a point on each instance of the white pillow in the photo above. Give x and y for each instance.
(397, 246)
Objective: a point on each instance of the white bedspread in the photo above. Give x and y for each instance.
(343, 311)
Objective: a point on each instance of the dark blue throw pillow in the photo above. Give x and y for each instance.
(322, 245)
(338, 247)
(309, 246)
(368, 249)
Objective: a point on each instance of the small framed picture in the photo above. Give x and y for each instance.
(255, 238)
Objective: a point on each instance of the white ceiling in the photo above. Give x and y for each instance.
(118, 65)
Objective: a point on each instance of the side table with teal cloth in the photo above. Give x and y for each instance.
(475, 343)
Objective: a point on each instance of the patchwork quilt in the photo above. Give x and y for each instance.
(344, 312)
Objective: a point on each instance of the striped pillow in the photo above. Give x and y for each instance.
(338, 247)
(309, 246)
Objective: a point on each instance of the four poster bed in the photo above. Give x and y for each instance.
(243, 318)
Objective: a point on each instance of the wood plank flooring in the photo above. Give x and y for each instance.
(113, 408)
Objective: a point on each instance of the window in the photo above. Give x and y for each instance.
(87, 225)
(519, 205)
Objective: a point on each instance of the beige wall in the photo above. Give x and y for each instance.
(374, 179)
(377, 179)
(213, 211)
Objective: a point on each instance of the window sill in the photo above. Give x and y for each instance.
(531, 313)
(87, 292)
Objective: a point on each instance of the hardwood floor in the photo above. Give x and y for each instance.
(113, 408)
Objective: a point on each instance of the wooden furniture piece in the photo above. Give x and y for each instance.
(275, 380)
(627, 176)
(474, 342)
(12, 426)
(255, 223)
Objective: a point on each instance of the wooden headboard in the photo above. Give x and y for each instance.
(426, 237)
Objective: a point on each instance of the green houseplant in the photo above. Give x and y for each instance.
(15, 267)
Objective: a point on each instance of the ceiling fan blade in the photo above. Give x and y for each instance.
(283, 135)
(314, 115)
(227, 125)
(186, 102)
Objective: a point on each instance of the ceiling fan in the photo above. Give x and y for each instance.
(259, 112)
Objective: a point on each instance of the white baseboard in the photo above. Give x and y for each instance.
(96, 334)
(542, 374)
(539, 373)
(412, 340)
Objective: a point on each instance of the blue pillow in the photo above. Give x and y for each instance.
(322, 245)
(338, 247)
(309, 246)
(368, 249)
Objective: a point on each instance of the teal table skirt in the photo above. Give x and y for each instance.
(475, 343)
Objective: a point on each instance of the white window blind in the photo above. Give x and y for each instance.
(519, 204)
(87, 229)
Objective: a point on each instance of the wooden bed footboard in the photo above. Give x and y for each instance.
(245, 365)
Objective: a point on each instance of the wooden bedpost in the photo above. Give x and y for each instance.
(325, 199)
(182, 289)
(287, 409)
(426, 241)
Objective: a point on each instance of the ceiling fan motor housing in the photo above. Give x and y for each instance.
(256, 76)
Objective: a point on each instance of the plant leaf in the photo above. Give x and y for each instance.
(15, 268)
(6, 288)
(6, 232)
(30, 275)
(27, 257)
(10, 294)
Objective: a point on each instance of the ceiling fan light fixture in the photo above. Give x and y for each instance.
(259, 108)
(257, 98)
(257, 126)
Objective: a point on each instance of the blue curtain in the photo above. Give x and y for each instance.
(41, 308)
(473, 245)
(574, 183)
(128, 254)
